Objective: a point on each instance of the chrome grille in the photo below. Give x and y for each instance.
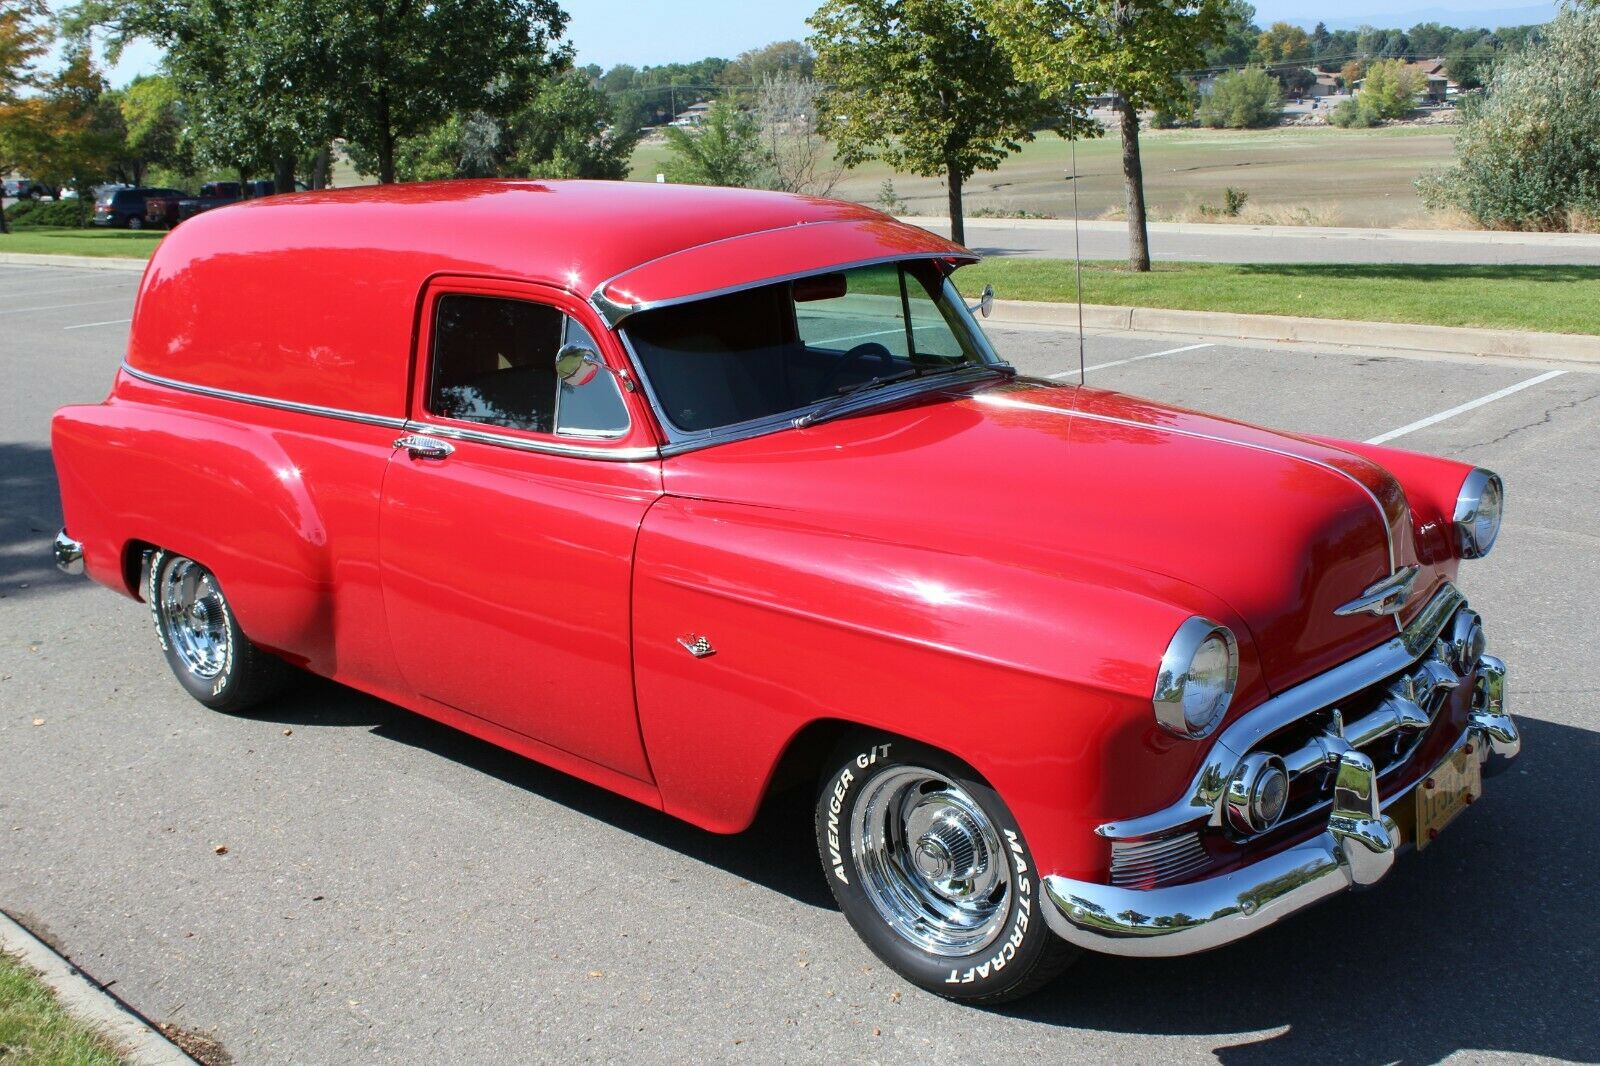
(1154, 862)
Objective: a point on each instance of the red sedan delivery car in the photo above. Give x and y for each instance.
(694, 493)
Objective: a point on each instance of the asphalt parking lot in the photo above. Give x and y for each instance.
(392, 891)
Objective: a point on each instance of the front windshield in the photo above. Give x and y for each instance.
(781, 348)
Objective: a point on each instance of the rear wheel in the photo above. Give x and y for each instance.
(135, 222)
(208, 653)
(930, 869)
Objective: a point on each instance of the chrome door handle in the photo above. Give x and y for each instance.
(420, 447)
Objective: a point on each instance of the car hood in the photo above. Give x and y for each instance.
(1281, 529)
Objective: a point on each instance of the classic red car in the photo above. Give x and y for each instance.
(696, 494)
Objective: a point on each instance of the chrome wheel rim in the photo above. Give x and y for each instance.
(194, 618)
(931, 861)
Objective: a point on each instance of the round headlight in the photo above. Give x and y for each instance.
(1196, 678)
(1478, 509)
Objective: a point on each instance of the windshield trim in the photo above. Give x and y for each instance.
(679, 440)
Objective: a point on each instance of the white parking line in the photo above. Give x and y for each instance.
(60, 307)
(1423, 423)
(106, 287)
(1132, 359)
(107, 322)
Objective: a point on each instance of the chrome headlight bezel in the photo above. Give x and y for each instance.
(1472, 541)
(1178, 689)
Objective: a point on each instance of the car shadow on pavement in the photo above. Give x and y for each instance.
(778, 852)
(30, 516)
(1488, 940)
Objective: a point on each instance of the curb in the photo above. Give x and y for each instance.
(80, 996)
(92, 262)
(1455, 340)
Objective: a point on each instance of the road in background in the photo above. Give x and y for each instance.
(1227, 243)
(393, 891)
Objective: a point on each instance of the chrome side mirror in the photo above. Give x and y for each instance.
(985, 302)
(577, 365)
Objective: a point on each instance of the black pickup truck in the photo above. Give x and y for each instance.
(169, 211)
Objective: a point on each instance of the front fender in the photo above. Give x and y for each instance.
(1040, 678)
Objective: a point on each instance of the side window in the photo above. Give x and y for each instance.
(494, 361)
(593, 408)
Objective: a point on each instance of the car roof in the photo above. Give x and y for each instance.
(577, 235)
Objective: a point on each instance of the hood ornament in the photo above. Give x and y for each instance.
(1386, 597)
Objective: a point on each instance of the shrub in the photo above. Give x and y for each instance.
(1528, 151)
(1242, 99)
(26, 214)
(1351, 114)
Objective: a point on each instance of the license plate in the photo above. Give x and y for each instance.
(1445, 793)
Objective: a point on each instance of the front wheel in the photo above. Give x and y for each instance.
(136, 222)
(930, 869)
(208, 653)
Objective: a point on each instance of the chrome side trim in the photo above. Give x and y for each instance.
(581, 451)
(1201, 803)
(266, 401)
(575, 451)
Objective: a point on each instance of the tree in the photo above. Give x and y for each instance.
(750, 69)
(1237, 42)
(270, 79)
(400, 68)
(724, 150)
(1135, 49)
(1283, 41)
(25, 35)
(61, 135)
(570, 130)
(153, 120)
(798, 158)
(1240, 99)
(922, 85)
(1528, 152)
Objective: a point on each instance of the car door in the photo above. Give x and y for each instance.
(509, 515)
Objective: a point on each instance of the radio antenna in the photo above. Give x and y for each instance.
(1077, 248)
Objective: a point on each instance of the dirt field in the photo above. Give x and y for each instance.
(1345, 177)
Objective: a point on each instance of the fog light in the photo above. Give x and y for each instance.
(1258, 793)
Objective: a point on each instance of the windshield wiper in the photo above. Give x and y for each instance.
(846, 393)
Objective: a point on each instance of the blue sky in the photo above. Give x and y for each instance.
(644, 32)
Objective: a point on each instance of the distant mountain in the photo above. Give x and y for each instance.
(1405, 19)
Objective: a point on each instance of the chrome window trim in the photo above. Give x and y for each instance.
(266, 401)
(548, 447)
(615, 313)
(1201, 802)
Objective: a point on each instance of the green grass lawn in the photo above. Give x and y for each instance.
(35, 1031)
(1553, 299)
(106, 243)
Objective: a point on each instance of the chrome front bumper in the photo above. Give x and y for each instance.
(1356, 849)
(68, 554)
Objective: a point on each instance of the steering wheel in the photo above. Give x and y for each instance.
(860, 353)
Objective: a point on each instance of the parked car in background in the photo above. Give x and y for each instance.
(700, 494)
(215, 194)
(124, 207)
(26, 189)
